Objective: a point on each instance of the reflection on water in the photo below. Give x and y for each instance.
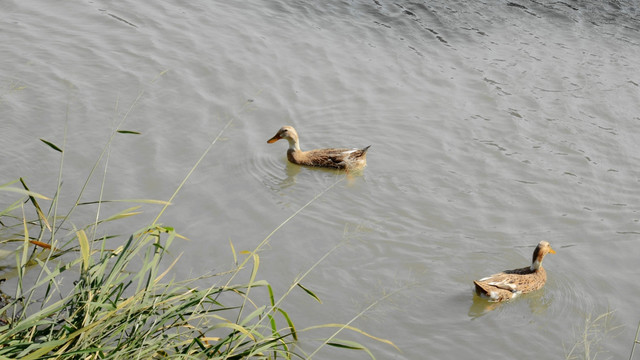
(480, 306)
(291, 170)
(538, 302)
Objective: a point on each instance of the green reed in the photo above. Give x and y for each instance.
(592, 336)
(84, 300)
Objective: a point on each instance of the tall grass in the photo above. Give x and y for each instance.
(73, 297)
(590, 339)
(635, 342)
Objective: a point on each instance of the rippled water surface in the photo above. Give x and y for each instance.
(493, 125)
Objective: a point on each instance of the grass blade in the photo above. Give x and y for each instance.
(313, 295)
(345, 344)
(37, 206)
(635, 342)
(24, 192)
(84, 248)
(52, 145)
(41, 244)
(123, 214)
(140, 201)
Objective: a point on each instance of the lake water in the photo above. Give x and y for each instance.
(493, 125)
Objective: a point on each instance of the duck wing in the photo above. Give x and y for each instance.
(332, 158)
(510, 283)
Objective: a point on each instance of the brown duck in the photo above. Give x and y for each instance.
(511, 283)
(344, 159)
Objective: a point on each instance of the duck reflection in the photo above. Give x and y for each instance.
(291, 170)
(538, 302)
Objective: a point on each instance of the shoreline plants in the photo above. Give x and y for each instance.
(72, 296)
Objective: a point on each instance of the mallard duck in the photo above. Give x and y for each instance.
(511, 283)
(345, 159)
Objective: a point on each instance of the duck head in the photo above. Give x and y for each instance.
(541, 250)
(288, 133)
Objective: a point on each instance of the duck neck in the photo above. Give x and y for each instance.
(294, 145)
(536, 262)
(536, 265)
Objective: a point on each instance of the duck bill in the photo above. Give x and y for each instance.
(551, 250)
(274, 139)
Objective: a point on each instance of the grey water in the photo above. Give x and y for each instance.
(493, 125)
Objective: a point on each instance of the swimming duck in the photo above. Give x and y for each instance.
(511, 283)
(344, 159)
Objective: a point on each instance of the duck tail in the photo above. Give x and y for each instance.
(364, 150)
(480, 290)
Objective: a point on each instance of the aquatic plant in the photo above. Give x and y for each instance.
(591, 337)
(74, 297)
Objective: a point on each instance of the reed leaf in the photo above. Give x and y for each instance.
(123, 214)
(138, 201)
(24, 192)
(51, 145)
(235, 327)
(40, 243)
(292, 327)
(9, 183)
(354, 329)
(311, 293)
(37, 206)
(351, 345)
(257, 312)
(169, 268)
(85, 250)
(11, 208)
(233, 251)
(345, 344)
(635, 341)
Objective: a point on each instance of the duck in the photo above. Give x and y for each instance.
(508, 284)
(342, 159)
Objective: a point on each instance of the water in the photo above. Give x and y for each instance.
(493, 125)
